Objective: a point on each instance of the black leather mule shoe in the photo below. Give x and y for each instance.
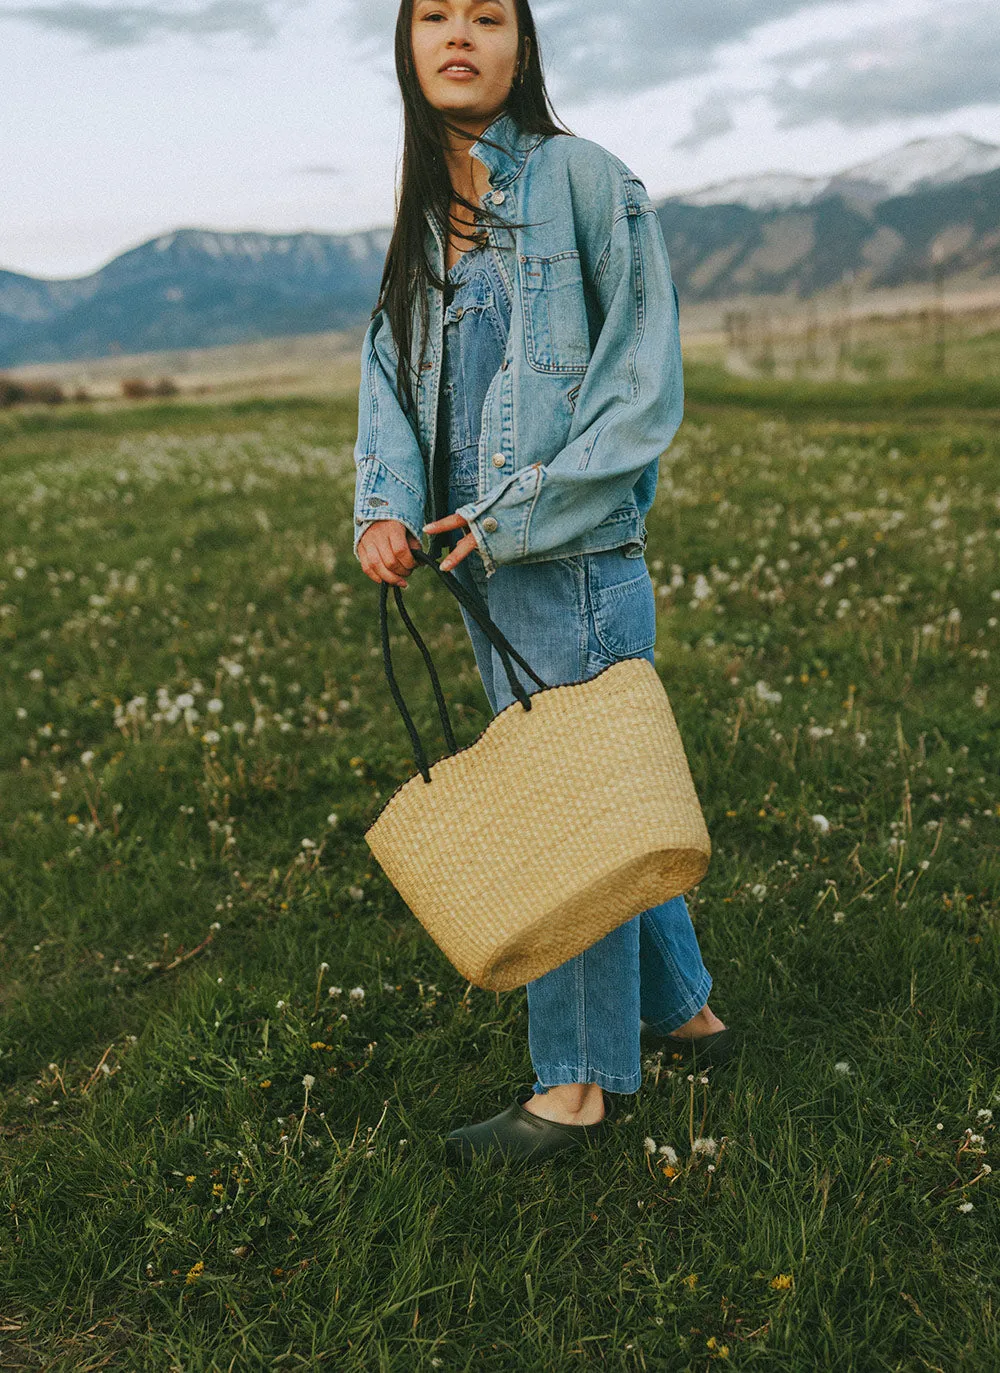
(519, 1136)
(703, 1051)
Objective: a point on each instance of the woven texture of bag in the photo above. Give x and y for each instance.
(606, 824)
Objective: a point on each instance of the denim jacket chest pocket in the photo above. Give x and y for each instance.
(556, 332)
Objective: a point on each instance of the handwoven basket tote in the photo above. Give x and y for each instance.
(572, 812)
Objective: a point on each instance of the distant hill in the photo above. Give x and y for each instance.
(885, 222)
(194, 288)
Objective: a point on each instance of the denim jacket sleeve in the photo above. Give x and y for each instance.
(382, 492)
(630, 402)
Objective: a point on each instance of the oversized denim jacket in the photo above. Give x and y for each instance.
(590, 390)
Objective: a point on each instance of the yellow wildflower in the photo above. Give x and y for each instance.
(781, 1282)
(691, 1281)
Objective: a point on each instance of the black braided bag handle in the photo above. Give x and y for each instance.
(477, 608)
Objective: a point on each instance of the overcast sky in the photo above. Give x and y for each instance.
(121, 121)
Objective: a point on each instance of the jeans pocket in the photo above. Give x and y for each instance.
(623, 603)
(556, 331)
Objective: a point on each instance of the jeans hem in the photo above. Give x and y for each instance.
(621, 1084)
(691, 1007)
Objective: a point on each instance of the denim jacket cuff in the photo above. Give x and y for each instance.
(498, 521)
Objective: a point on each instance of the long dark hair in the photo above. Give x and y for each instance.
(426, 184)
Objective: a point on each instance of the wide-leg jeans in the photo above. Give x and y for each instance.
(569, 618)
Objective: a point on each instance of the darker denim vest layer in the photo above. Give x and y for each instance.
(476, 328)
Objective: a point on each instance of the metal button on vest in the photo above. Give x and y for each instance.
(498, 460)
(460, 312)
(498, 197)
(489, 524)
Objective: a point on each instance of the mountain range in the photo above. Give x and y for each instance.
(932, 207)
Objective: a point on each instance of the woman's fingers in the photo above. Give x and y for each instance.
(385, 550)
(461, 550)
(400, 557)
(452, 521)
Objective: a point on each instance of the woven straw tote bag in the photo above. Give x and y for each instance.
(572, 811)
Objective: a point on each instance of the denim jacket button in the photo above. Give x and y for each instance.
(489, 524)
(498, 197)
(498, 460)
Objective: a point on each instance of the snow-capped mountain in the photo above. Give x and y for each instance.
(918, 165)
(766, 191)
(926, 162)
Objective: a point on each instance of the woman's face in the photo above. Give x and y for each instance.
(480, 33)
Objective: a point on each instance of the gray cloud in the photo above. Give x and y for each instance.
(130, 26)
(711, 119)
(947, 61)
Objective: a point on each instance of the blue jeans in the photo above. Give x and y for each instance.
(570, 617)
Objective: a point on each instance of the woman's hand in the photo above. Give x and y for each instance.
(384, 552)
(464, 546)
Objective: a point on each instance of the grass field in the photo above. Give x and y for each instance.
(195, 731)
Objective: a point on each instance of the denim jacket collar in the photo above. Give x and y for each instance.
(505, 162)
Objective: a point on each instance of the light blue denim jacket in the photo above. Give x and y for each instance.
(590, 391)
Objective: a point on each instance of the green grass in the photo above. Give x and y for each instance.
(174, 1198)
(708, 384)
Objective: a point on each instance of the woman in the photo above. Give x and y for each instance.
(530, 265)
